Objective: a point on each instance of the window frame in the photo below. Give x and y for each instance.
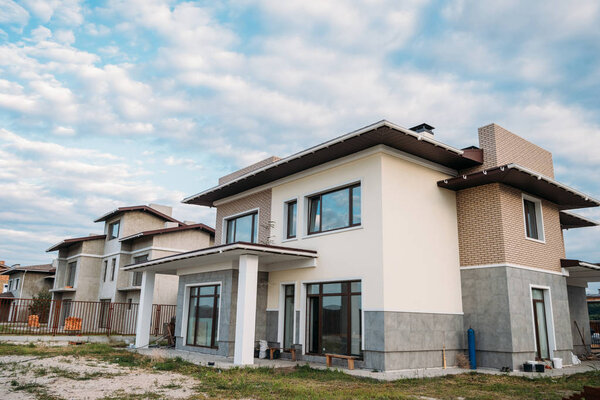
(105, 270)
(320, 195)
(539, 216)
(113, 267)
(216, 313)
(71, 269)
(347, 295)
(287, 219)
(255, 225)
(135, 273)
(110, 233)
(17, 281)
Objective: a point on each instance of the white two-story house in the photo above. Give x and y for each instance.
(383, 244)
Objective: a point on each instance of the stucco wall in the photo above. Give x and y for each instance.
(578, 308)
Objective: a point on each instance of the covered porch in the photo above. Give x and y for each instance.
(579, 275)
(221, 300)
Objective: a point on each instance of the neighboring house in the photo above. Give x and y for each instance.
(338, 249)
(90, 267)
(27, 281)
(3, 278)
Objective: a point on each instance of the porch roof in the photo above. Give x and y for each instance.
(270, 257)
(570, 220)
(581, 272)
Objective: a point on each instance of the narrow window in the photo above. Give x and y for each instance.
(203, 316)
(334, 318)
(292, 209)
(105, 269)
(17, 283)
(113, 230)
(337, 209)
(243, 228)
(530, 219)
(137, 275)
(129, 302)
(541, 326)
(288, 316)
(71, 269)
(112, 270)
(10, 285)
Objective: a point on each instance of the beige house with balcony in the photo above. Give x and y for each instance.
(337, 249)
(89, 268)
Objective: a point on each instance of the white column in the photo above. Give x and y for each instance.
(144, 317)
(245, 321)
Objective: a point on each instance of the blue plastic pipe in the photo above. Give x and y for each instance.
(471, 338)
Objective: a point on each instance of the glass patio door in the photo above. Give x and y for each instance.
(541, 325)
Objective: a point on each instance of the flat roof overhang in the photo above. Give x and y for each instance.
(570, 221)
(380, 133)
(270, 258)
(580, 272)
(526, 180)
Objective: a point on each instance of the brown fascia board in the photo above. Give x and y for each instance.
(147, 209)
(380, 133)
(72, 241)
(526, 180)
(201, 227)
(571, 221)
(570, 262)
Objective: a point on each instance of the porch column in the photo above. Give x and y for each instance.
(144, 317)
(245, 321)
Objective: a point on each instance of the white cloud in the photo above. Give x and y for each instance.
(63, 131)
(12, 13)
(65, 11)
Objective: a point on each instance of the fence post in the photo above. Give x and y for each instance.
(108, 323)
(157, 320)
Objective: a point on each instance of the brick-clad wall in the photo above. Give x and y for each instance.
(519, 249)
(502, 147)
(260, 200)
(240, 172)
(491, 229)
(479, 215)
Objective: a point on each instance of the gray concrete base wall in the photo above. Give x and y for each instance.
(227, 312)
(403, 340)
(579, 312)
(497, 304)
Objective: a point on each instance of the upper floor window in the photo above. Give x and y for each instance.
(532, 209)
(71, 268)
(10, 284)
(113, 268)
(291, 213)
(333, 210)
(243, 228)
(17, 283)
(113, 230)
(105, 270)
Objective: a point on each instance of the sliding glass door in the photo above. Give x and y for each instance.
(203, 316)
(334, 318)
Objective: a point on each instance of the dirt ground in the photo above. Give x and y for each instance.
(78, 378)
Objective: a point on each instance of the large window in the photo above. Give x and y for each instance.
(203, 316)
(534, 228)
(71, 269)
(113, 230)
(243, 228)
(334, 318)
(334, 210)
(291, 212)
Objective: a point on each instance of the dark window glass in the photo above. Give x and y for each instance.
(137, 278)
(203, 316)
(105, 270)
(541, 327)
(334, 318)
(334, 210)
(292, 207)
(113, 230)
(531, 219)
(140, 259)
(113, 268)
(129, 303)
(243, 228)
(288, 318)
(71, 274)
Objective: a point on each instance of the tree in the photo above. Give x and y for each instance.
(41, 305)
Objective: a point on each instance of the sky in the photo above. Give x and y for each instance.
(112, 103)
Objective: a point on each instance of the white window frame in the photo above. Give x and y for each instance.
(539, 216)
(549, 317)
(186, 308)
(233, 216)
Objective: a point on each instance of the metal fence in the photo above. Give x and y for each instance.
(65, 317)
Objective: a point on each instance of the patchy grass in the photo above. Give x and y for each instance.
(306, 383)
